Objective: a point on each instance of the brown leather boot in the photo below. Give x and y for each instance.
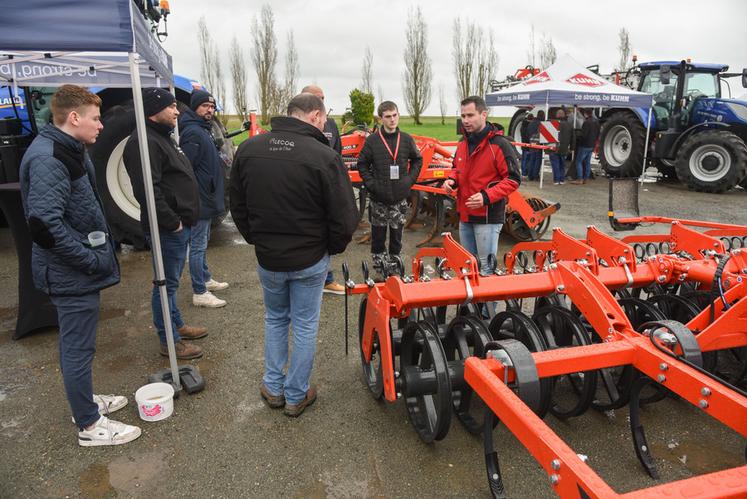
(274, 401)
(192, 332)
(184, 350)
(295, 410)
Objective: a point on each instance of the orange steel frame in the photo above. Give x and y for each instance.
(576, 271)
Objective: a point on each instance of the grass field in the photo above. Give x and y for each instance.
(431, 127)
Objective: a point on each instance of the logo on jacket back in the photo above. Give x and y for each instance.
(281, 144)
(585, 80)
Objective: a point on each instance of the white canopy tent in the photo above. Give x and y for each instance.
(569, 83)
(106, 43)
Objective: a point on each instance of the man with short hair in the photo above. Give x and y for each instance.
(291, 198)
(333, 136)
(63, 209)
(486, 171)
(389, 164)
(177, 208)
(196, 140)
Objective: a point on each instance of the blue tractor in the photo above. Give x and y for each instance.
(696, 135)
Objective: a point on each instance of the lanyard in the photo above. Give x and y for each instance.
(396, 149)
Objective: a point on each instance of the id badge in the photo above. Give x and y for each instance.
(394, 172)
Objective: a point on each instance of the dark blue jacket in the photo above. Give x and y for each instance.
(62, 207)
(197, 143)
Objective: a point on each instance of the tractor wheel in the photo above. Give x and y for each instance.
(514, 128)
(712, 161)
(621, 147)
(226, 149)
(112, 180)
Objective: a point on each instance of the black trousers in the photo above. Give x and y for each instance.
(378, 239)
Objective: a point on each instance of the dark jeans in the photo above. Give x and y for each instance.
(558, 167)
(198, 267)
(378, 239)
(583, 162)
(534, 163)
(174, 251)
(78, 317)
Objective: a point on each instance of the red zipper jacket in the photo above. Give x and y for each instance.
(492, 169)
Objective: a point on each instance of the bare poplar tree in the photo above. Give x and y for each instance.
(366, 71)
(283, 93)
(625, 50)
(547, 53)
(418, 73)
(264, 57)
(239, 78)
(532, 51)
(219, 91)
(442, 106)
(207, 64)
(475, 58)
(380, 93)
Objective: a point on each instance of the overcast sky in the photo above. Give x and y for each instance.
(331, 37)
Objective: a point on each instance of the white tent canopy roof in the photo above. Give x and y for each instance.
(568, 83)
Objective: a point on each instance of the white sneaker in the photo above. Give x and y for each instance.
(108, 403)
(213, 285)
(108, 432)
(207, 299)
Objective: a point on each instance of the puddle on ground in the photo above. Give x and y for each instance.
(697, 457)
(133, 475)
(94, 481)
(110, 313)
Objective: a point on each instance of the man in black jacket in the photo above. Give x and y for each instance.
(292, 199)
(333, 136)
(177, 209)
(389, 164)
(586, 144)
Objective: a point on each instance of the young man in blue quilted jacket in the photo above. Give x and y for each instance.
(62, 207)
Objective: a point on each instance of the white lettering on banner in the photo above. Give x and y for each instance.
(43, 70)
(620, 98)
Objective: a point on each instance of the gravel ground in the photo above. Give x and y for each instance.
(224, 442)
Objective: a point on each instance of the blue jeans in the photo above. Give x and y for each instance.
(534, 164)
(198, 268)
(78, 317)
(174, 252)
(330, 278)
(481, 240)
(525, 154)
(291, 299)
(558, 167)
(583, 162)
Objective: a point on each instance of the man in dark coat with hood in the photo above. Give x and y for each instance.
(196, 140)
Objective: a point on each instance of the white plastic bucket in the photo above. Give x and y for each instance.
(155, 401)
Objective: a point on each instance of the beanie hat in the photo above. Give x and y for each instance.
(155, 100)
(200, 97)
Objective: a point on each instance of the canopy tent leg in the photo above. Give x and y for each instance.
(645, 145)
(160, 280)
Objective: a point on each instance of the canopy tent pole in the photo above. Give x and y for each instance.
(542, 154)
(645, 145)
(155, 242)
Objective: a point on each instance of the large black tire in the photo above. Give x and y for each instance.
(621, 145)
(115, 189)
(226, 150)
(667, 168)
(712, 161)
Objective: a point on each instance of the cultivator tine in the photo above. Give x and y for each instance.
(642, 450)
(492, 465)
(438, 223)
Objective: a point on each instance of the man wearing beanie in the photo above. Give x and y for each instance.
(177, 209)
(196, 141)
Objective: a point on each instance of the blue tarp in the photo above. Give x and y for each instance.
(53, 42)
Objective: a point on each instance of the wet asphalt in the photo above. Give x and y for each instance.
(225, 442)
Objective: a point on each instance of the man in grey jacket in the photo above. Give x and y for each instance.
(68, 262)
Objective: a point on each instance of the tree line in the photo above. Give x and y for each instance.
(473, 53)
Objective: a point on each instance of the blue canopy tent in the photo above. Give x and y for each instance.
(569, 83)
(105, 43)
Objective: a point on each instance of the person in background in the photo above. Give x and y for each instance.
(557, 158)
(177, 202)
(526, 153)
(389, 164)
(63, 209)
(292, 199)
(196, 140)
(535, 161)
(587, 142)
(333, 136)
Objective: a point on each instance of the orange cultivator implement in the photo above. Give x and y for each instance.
(595, 323)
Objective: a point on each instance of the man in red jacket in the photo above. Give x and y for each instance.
(486, 170)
